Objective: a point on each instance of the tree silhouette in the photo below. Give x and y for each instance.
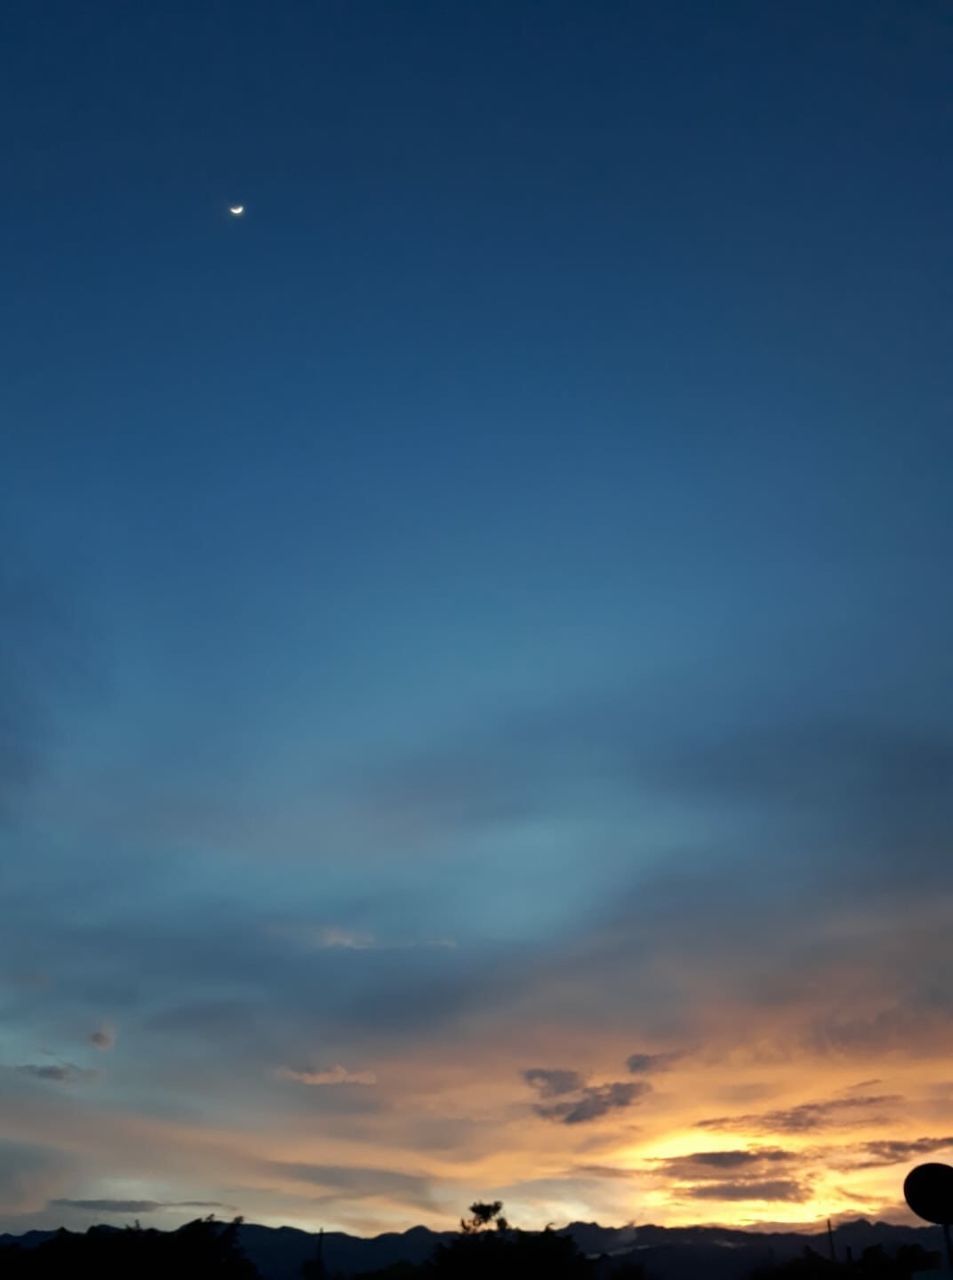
(483, 1214)
(488, 1247)
(201, 1250)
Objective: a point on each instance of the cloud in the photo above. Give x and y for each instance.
(773, 1189)
(658, 922)
(357, 1182)
(331, 936)
(579, 1103)
(644, 1064)
(136, 1206)
(748, 1174)
(103, 1038)
(339, 938)
(733, 1175)
(60, 1072)
(898, 1152)
(714, 1164)
(553, 1082)
(336, 1075)
(593, 1102)
(832, 1113)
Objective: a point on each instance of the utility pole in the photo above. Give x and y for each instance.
(313, 1268)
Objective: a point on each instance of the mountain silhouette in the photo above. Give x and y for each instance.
(666, 1253)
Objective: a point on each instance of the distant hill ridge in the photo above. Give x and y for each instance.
(669, 1253)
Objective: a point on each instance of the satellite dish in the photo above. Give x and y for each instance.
(928, 1190)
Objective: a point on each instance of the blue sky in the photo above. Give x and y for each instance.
(484, 610)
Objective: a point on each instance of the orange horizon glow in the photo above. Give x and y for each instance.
(271, 1171)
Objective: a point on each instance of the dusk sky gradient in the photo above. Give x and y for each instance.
(476, 713)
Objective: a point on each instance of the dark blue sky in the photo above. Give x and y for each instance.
(530, 522)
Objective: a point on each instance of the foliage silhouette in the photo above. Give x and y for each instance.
(201, 1250)
(484, 1214)
(487, 1246)
(874, 1264)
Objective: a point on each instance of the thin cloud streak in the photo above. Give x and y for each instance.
(137, 1206)
(58, 1073)
(730, 1192)
(333, 1076)
(807, 1116)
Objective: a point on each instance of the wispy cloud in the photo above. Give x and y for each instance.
(774, 1189)
(715, 1164)
(579, 1102)
(592, 1102)
(830, 1113)
(103, 1038)
(735, 1175)
(58, 1072)
(333, 936)
(601, 1171)
(553, 1082)
(645, 1064)
(899, 1152)
(334, 1075)
(136, 1206)
(360, 1182)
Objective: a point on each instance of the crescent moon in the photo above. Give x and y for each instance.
(236, 210)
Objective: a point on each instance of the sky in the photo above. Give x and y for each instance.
(475, 629)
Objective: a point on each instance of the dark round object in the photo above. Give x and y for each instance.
(928, 1190)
